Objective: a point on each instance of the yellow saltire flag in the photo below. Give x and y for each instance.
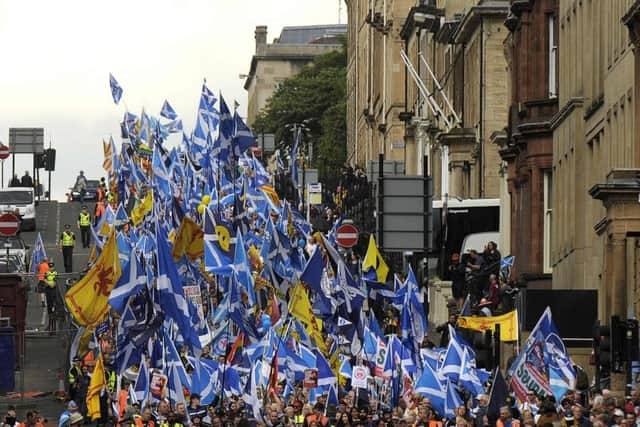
(138, 213)
(107, 163)
(508, 324)
(300, 308)
(271, 194)
(96, 385)
(373, 259)
(88, 299)
(189, 240)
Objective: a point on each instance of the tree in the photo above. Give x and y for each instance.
(315, 97)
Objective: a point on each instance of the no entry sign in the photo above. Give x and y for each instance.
(9, 224)
(4, 151)
(347, 235)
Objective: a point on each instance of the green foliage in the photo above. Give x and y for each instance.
(315, 97)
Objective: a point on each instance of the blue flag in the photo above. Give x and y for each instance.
(167, 111)
(38, 253)
(116, 89)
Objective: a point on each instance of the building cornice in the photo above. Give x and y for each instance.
(431, 21)
(565, 111)
(631, 20)
(471, 20)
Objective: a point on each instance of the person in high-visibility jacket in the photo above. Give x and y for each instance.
(84, 224)
(73, 376)
(67, 243)
(100, 210)
(50, 294)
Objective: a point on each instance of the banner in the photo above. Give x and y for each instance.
(158, 383)
(508, 324)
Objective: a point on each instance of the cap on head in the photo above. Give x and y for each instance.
(76, 418)
(67, 226)
(51, 264)
(84, 206)
(72, 405)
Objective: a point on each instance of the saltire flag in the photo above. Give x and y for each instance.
(430, 385)
(242, 137)
(167, 111)
(141, 389)
(373, 266)
(293, 167)
(218, 244)
(38, 253)
(452, 360)
(506, 264)
(243, 271)
(130, 283)
(172, 298)
(453, 401)
(468, 376)
(88, 299)
(116, 89)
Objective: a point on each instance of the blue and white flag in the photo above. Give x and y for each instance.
(38, 253)
(141, 390)
(430, 385)
(468, 376)
(132, 281)
(116, 89)
(167, 111)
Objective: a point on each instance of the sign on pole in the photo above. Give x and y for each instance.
(4, 151)
(347, 235)
(9, 224)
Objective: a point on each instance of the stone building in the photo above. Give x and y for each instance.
(284, 58)
(596, 215)
(460, 42)
(527, 150)
(375, 80)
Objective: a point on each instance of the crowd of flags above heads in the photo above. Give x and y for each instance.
(203, 215)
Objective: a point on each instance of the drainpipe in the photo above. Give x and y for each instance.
(482, 103)
(384, 76)
(356, 113)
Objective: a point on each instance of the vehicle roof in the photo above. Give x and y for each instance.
(9, 189)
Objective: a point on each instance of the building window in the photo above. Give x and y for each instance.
(548, 209)
(553, 52)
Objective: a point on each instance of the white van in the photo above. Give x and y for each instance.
(22, 199)
(478, 241)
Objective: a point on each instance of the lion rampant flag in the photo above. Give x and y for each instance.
(96, 385)
(88, 299)
(508, 324)
(189, 240)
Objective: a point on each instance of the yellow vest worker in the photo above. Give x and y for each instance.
(50, 292)
(67, 242)
(84, 224)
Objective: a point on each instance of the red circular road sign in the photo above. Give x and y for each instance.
(4, 151)
(347, 235)
(9, 224)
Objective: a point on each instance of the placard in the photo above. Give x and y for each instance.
(192, 293)
(157, 385)
(310, 378)
(359, 376)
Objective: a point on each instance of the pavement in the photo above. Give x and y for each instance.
(46, 356)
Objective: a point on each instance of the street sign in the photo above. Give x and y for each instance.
(9, 224)
(4, 151)
(347, 235)
(315, 193)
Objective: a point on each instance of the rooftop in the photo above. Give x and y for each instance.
(311, 34)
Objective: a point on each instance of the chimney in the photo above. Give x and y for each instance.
(261, 39)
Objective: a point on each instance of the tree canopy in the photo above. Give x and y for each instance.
(315, 97)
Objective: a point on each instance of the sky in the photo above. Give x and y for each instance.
(57, 56)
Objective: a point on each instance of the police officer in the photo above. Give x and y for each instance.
(50, 294)
(67, 242)
(73, 377)
(84, 224)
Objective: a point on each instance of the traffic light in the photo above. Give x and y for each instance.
(603, 349)
(50, 159)
(40, 161)
(483, 345)
(617, 334)
(630, 350)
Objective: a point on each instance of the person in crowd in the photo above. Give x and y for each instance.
(506, 419)
(73, 377)
(51, 294)
(492, 257)
(84, 225)
(81, 185)
(65, 417)
(26, 180)
(43, 269)
(443, 330)
(195, 409)
(15, 181)
(494, 292)
(67, 243)
(458, 280)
